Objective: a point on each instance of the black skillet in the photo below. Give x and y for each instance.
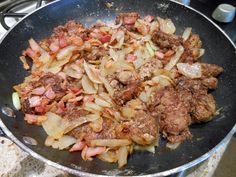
(207, 137)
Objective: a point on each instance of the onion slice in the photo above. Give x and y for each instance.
(16, 100)
(122, 156)
(193, 71)
(186, 33)
(174, 60)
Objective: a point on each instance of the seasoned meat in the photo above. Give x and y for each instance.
(204, 107)
(164, 40)
(75, 114)
(26, 107)
(209, 70)
(143, 129)
(210, 83)
(179, 138)
(85, 131)
(187, 57)
(193, 42)
(184, 83)
(128, 20)
(146, 71)
(127, 93)
(171, 111)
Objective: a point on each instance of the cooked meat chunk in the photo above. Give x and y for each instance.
(164, 40)
(127, 93)
(210, 83)
(26, 107)
(85, 131)
(128, 20)
(75, 114)
(171, 111)
(187, 57)
(193, 42)
(146, 71)
(184, 83)
(204, 107)
(179, 138)
(209, 70)
(126, 77)
(143, 129)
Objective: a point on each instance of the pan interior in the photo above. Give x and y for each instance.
(205, 136)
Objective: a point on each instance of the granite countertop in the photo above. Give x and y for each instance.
(18, 163)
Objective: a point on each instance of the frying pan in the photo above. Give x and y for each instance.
(207, 137)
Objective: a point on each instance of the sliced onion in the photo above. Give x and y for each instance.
(90, 71)
(55, 66)
(150, 50)
(187, 33)
(166, 25)
(119, 36)
(162, 80)
(74, 71)
(65, 53)
(70, 125)
(172, 146)
(149, 148)
(107, 86)
(88, 86)
(174, 60)
(16, 100)
(117, 55)
(102, 102)
(49, 141)
(92, 106)
(122, 156)
(201, 53)
(53, 125)
(34, 45)
(66, 141)
(106, 97)
(110, 142)
(109, 156)
(192, 71)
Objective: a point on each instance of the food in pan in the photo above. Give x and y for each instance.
(116, 87)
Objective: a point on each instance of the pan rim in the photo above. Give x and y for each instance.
(81, 173)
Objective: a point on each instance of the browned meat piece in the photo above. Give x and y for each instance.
(209, 70)
(128, 20)
(210, 83)
(164, 40)
(172, 113)
(126, 77)
(179, 138)
(85, 131)
(146, 71)
(143, 129)
(204, 107)
(75, 114)
(54, 81)
(26, 107)
(184, 83)
(187, 57)
(127, 93)
(193, 42)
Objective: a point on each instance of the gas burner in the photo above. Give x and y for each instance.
(17, 9)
